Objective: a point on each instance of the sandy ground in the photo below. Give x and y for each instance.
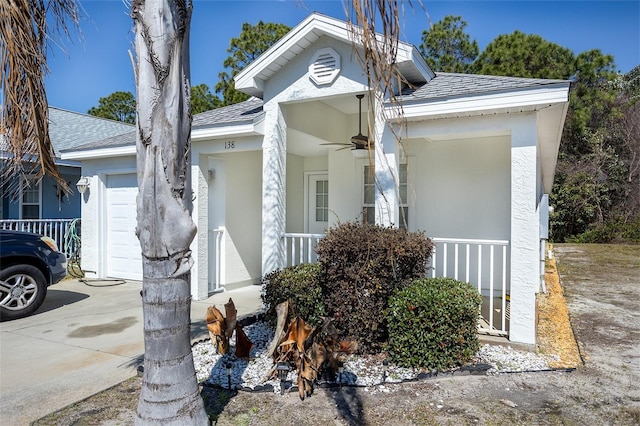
(601, 286)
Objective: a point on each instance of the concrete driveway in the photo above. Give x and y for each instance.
(85, 338)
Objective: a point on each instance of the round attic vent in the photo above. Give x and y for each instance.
(324, 67)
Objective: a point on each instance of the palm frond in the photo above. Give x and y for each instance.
(25, 146)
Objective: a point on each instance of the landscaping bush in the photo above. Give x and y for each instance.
(300, 286)
(433, 323)
(619, 230)
(362, 265)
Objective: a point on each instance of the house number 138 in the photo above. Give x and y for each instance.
(229, 144)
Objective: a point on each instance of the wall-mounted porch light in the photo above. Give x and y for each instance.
(83, 184)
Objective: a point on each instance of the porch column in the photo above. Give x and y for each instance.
(274, 155)
(199, 245)
(524, 232)
(386, 167)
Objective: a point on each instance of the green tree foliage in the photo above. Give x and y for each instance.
(632, 84)
(202, 99)
(120, 106)
(593, 96)
(524, 55)
(252, 42)
(597, 176)
(447, 48)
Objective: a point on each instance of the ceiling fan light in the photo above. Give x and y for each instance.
(360, 153)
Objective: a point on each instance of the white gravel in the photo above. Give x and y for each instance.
(358, 370)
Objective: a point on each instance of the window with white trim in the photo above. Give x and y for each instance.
(322, 201)
(369, 208)
(30, 199)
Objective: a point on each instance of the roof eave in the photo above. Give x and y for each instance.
(430, 108)
(236, 130)
(90, 154)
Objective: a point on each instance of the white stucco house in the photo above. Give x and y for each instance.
(473, 169)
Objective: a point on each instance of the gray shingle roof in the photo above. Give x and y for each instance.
(449, 85)
(243, 112)
(69, 129)
(124, 139)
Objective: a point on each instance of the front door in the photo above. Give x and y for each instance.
(318, 203)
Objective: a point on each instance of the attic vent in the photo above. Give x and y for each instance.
(324, 67)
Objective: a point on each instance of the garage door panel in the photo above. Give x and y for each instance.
(124, 259)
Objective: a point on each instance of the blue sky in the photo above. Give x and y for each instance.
(99, 64)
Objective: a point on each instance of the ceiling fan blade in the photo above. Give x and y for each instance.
(346, 147)
(336, 144)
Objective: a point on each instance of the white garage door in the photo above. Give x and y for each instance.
(123, 248)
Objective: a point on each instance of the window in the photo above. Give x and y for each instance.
(403, 198)
(369, 209)
(322, 201)
(30, 206)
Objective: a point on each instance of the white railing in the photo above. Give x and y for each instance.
(57, 229)
(482, 263)
(485, 265)
(216, 250)
(300, 248)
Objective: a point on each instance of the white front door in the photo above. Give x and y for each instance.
(123, 257)
(318, 203)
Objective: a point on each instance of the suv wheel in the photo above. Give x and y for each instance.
(22, 291)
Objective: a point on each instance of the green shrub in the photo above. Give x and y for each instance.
(299, 284)
(433, 324)
(362, 265)
(617, 230)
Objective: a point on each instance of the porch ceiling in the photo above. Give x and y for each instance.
(304, 144)
(308, 132)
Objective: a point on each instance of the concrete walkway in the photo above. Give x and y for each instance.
(85, 338)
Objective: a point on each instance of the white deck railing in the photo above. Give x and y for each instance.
(57, 229)
(300, 248)
(216, 250)
(485, 265)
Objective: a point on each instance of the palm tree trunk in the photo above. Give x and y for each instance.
(170, 393)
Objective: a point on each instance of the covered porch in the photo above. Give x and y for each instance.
(482, 263)
(263, 205)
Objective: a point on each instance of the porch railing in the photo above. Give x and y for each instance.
(485, 265)
(216, 243)
(57, 229)
(482, 263)
(300, 248)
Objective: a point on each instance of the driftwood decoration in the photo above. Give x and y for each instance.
(221, 329)
(310, 349)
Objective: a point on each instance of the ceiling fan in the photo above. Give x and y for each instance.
(359, 141)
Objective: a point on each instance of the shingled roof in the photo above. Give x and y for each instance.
(243, 112)
(69, 129)
(449, 85)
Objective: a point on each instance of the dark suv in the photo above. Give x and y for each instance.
(29, 263)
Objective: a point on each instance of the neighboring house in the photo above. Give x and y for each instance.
(45, 199)
(473, 171)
